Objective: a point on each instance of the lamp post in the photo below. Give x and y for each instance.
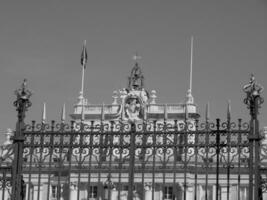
(253, 101)
(22, 104)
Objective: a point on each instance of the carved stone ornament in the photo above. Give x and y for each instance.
(133, 108)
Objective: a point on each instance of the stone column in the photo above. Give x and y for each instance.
(34, 192)
(114, 194)
(264, 196)
(73, 191)
(214, 192)
(233, 192)
(223, 193)
(189, 192)
(44, 191)
(148, 192)
(200, 192)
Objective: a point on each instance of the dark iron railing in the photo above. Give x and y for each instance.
(179, 159)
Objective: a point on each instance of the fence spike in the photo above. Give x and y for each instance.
(165, 112)
(186, 112)
(102, 112)
(145, 112)
(207, 112)
(44, 113)
(63, 113)
(229, 110)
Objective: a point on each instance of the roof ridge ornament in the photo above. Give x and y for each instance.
(136, 79)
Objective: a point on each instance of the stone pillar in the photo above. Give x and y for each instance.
(1, 192)
(148, 192)
(200, 192)
(158, 195)
(214, 192)
(45, 189)
(223, 193)
(35, 192)
(114, 194)
(73, 192)
(189, 192)
(233, 192)
(264, 196)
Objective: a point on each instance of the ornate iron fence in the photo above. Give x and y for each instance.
(148, 160)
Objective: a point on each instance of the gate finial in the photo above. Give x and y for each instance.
(165, 112)
(63, 114)
(207, 112)
(229, 110)
(44, 113)
(103, 112)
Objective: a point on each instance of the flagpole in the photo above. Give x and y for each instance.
(82, 97)
(82, 88)
(191, 63)
(83, 63)
(189, 97)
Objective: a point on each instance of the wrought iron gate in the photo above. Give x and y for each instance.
(151, 160)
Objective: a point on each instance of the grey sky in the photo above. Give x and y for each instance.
(42, 41)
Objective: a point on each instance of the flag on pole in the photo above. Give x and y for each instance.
(84, 55)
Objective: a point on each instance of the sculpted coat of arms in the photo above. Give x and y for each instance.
(133, 108)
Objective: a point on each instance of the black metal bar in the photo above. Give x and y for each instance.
(239, 158)
(206, 162)
(196, 160)
(253, 100)
(110, 140)
(51, 142)
(90, 159)
(143, 157)
(81, 131)
(175, 155)
(22, 104)
(40, 163)
(154, 150)
(164, 136)
(131, 163)
(121, 127)
(257, 153)
(30, 163)
(185, 156)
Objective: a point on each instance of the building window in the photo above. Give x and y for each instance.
(168, 192)
(92, 192)
(125, 188)
(55, 191)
